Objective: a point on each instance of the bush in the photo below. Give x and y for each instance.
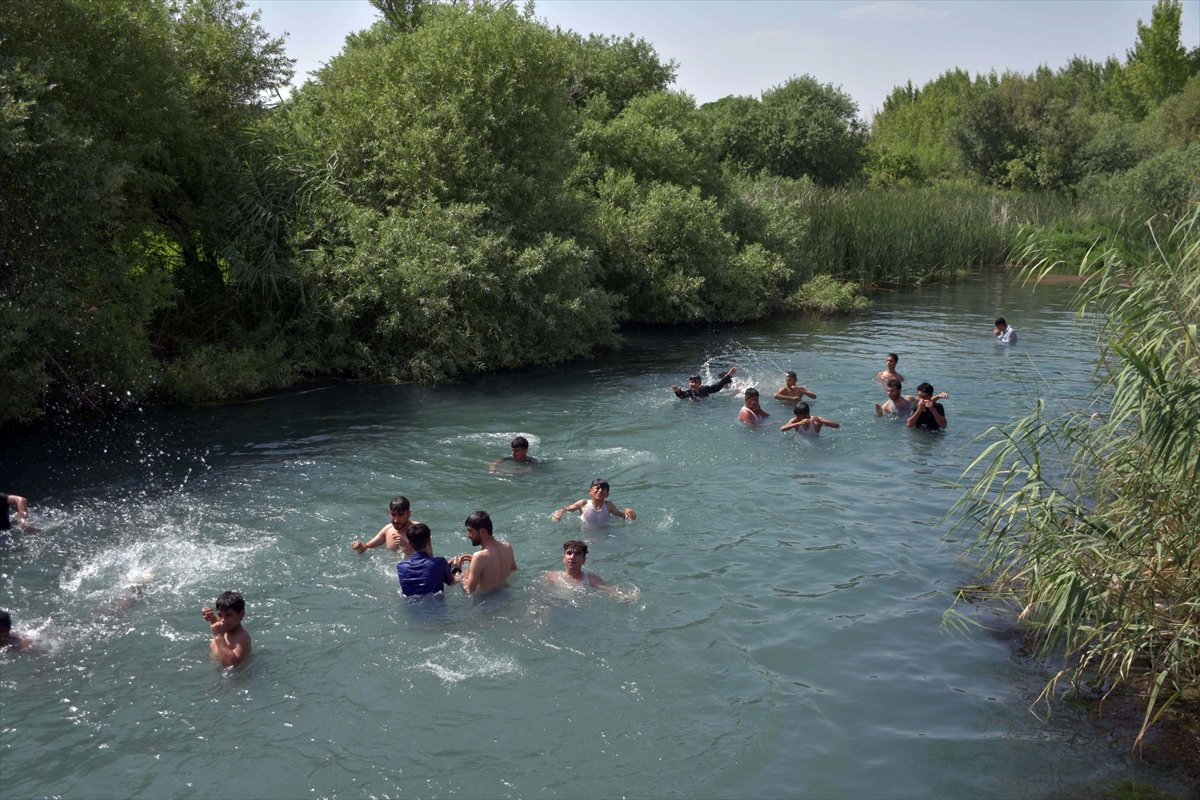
(828, 295)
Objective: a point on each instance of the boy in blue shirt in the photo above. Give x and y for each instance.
(423, 572)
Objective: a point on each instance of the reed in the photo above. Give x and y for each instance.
(1089, 518)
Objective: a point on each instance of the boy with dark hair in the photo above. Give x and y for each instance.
(888, 374)
(230, 642)
(791, 391)
(574, 557)
(805, 423)
(423, 572)
(393, 534)
(695, 391)
(596, 508)
(1005, 334)
(927, 413)
(490, 567)
(520, 454)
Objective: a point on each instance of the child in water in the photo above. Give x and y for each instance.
(805, 423)
(596, 508)
(230, 642)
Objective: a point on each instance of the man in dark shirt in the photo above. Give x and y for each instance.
(423, 572)
(927, 413)
(695, 391)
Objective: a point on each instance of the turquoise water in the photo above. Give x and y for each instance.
(785, 640)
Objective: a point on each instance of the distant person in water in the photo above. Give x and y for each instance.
(423, 572)
(490, 567)
(695, 390)
(752, 412)
(890, 372)
(1005, 333)
(805, 423)
(393, 534)
(596, 508)
(791, 392)
(520, 454)
(9, 639)
(574, 556)
(231, 642)
(927, 413)
(21, 505)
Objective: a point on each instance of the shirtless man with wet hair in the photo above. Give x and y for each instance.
(890, 373)
(490, 567)
(394, 533)
(791, 392)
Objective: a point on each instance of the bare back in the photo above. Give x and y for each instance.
(490, 567)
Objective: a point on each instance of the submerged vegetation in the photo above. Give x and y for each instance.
(1089, 517)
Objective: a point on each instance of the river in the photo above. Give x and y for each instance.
(780, 628)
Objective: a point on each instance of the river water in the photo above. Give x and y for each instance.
(779, 633)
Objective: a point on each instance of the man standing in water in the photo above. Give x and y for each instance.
(890, 373)
(791, 392)
(490, 567)
(1005, 334)
(695, 391)
(927, 413)
(394, 534)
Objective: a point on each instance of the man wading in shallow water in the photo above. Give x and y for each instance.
(490, 567)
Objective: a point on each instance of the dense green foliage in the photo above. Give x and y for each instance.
(1090, 517)
(464, 189)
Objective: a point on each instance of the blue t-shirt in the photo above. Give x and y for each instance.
(423, 574)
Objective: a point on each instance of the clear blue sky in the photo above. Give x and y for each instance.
(724, 47)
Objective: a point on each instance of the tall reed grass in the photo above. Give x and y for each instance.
(1089, 518)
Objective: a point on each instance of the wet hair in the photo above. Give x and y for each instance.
(419, 535)
(695, 377)
(1000, 321)
(575, 544)
(789, 374)
(893, 383)
(894, 356)
(751, 392)
(231, 601)
(925, 387)
(399, 504)
(479, 520)
(801, 410)
(603, 484)
(6, 620)
(519, 443)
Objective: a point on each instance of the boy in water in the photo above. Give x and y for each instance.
(805, 423)
(752, 412)
(423, 572)
(574, 557)
(897, 404)
(520, 454)
(230, 642)
(1005, 333)
(596, 508)
(488, 569)
(792, 392)
(394, 533)
(927, 413)
(890, 373)
(696, 391)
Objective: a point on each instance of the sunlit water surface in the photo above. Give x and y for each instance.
(786, 640)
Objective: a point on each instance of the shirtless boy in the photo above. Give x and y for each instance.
(890, 373)
(752, 412)
(792, 392)
(520, 455)
(230, 642)
(897, 404)
(574, 557)
(393, 534)
(490, 567)
(596, 508)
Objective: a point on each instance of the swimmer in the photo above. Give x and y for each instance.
(15, 641)
(896, 404)
(1005, 333)
(805, 423)
(695, 391)
(22, 507)
(927, 413)
(792, 392)
(890, 372)
(752, 412)
(490, 567)
(520, 454)
(423, 573)
(393, 534)
(596, 508)
(231, 642)
(574, 557)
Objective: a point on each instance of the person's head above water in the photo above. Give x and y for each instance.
(230, 601)
(599, 483)
(893, 388)
(801, 410)
(751, 392)
(925, 391)
(419, 536)
(399, 505)
(479, 520)
(575, 546)
(519, 443)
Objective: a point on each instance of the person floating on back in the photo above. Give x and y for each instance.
(1005, 333)
(752, 412)
(890, 372)
(423, 572)
(230, 642)
(791, 392)
(927, 413)
(392, 534)
(805, 424)
(695, 391)
(596, 508)
(490, 567)
(520, 455)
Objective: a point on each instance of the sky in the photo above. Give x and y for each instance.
(744, 47)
